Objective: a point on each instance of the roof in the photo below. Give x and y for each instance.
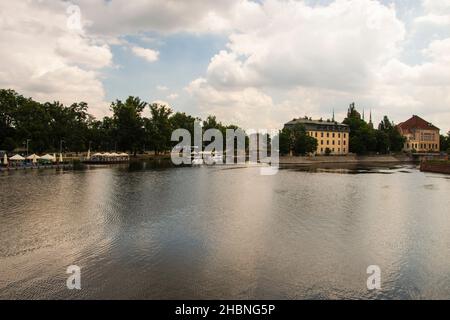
(417, 122)
(319, 125)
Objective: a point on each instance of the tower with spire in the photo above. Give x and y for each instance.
(370, 120)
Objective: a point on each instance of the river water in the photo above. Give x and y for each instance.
(153, 232)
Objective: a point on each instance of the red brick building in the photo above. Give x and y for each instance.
(421, 135)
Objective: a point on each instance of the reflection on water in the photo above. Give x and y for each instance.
(149, 230)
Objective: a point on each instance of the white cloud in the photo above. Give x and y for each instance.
(161, 88)
(291, 60)
(163, 16)
(172, 96)
(434, 19)
(436, 6)
(437, 12)
(303, 53)
(423, 88)
(339, 45)
(249, 107)
(42, 58)
(148, 54)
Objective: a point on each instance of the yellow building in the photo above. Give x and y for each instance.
(329, 135)
(421, 136)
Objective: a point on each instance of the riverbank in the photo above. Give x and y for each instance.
(38, 167)
(350, 159)
(435, 166)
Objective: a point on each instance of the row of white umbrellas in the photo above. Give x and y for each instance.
(34, 157)
(110, 154)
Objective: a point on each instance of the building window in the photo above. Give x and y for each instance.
(345, 143)
(321, 149)
(339, 135)
(321, 134)
(333, 135)
(339, 149)
(316, 134)
(321, 142)
(343, 149)
(328, 134)
(345, 135)
(333, 142)
(328, 142)
(339, 142)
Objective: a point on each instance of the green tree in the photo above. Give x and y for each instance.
(158, 129)
(383, 143)
(8, 109)
(395, 141)
(33, 122)
(285, 144)
(363, 138)
(128, 123)
(296, 139)
(445, 143)
(181, 120)
(69, 124)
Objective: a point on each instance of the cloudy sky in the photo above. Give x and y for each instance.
(255, 63)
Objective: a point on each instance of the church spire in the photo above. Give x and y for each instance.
(333, 115)
(370, 120)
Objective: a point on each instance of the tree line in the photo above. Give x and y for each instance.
(50, 126)
(365, 139)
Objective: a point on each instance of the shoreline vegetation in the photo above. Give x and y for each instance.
(28, 126)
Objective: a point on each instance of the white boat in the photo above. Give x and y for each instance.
(197, 162)
(206, 157)
(217, 159)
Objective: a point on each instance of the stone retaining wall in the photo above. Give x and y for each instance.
(435, 167)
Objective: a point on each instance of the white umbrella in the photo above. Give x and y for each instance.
(114, 154)
(5, 160)
(47, 157)
(17, 157)
(124, 154)
(97, 154)
(60, 158)
(32, 157)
